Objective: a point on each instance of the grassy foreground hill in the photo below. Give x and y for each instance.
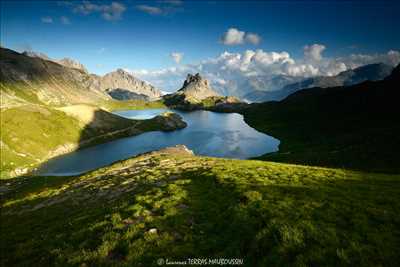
(171, 205)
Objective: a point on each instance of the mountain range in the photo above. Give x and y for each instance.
(371, 72)
(66, 81)
(121, 85)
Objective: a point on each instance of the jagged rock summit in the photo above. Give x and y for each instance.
(121, 80)
(71, 63)
(196, 93)
(66, 62)
(196, 87)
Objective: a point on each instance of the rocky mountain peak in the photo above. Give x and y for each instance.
(66, 62)
(123, 80)
(197, 87)
(195, 79)
(121, 72)
(71, 63)
(36, 54)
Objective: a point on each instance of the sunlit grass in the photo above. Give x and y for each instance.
(175, 207)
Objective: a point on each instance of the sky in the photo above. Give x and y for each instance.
(226, 39)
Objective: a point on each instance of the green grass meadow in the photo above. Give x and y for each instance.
(177, 207)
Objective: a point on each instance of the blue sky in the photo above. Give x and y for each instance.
(142, 35)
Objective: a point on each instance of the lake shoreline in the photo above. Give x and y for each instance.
(208, 134)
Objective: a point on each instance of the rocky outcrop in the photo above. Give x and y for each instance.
(196, 94)
(123, 80)
(170, 121)
(123, 94)
(193, 94)
(36, 54)
(195, 87)
(181, 150)
(66, 62)
(71, 63)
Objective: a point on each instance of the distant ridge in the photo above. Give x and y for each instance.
(371, 72)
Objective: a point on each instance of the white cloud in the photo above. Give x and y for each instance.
(65, 20)
(253, 38)
(177, 57)
(152, 10)
(392, 58)
(313, 52)
(47, 19)
(302, 70)
(109, 12)
(235, 73)
(234, 36)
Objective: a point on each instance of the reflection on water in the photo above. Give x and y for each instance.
(207, 133)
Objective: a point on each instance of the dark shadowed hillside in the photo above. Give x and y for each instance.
(355, 127)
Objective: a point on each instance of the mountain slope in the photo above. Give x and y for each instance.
(32, 134)
(371, 72)
(31, 79)
(116, 80)
(354, 127)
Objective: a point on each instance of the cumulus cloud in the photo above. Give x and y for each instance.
(234, 73)
(313, 52)
(177, 57)
(47, 19)
(65, 20)
(109, 12)
(234, 36)
(253, 38)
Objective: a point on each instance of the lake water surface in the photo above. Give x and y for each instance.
(208, 133)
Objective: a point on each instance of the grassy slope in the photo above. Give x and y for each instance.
(351, 127)
(30, 133)
(270, 214)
